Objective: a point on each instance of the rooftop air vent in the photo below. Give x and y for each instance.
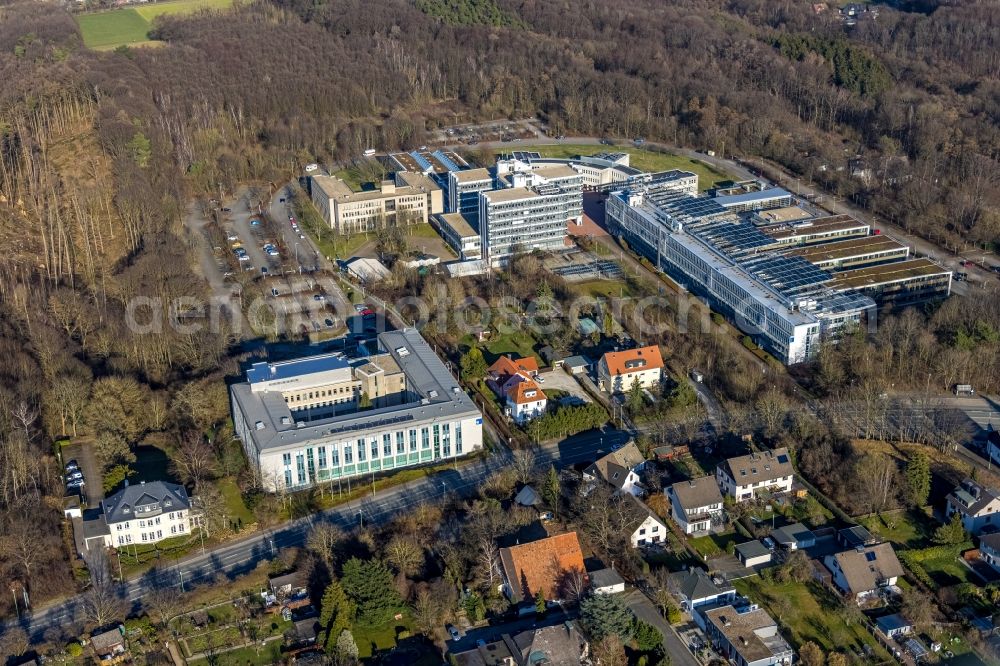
(259, 425)
(402, 351)
(285, 420)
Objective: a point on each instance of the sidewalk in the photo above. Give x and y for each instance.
(643, 608)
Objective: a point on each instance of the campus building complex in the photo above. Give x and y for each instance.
(409, 198)
(783, 302)
(328, 417)
(530, 211)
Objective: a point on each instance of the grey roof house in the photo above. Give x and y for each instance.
(794, 536)
(695, 504)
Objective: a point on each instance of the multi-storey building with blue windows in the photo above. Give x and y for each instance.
(328, 417)
(785, 303)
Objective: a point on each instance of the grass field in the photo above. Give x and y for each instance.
(810, 613)
(646, 160)
(131, 25)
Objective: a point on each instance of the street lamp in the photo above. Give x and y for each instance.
(297, 257)
(361, 518)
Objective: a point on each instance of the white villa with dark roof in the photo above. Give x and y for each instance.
(743, 477)
(142, 514)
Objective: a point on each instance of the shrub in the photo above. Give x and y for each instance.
(74, 649)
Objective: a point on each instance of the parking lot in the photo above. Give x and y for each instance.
(92, 492)
(303, 304)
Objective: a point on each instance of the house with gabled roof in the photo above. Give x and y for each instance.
(618, 372)
(744, 477)
(513, 380)
(862, 572)
(620, 468)
(695, 504)
(541, 565)
(507, 371)
(978, 506)
(525, 401)
(646, 527)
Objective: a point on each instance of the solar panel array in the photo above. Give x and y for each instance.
(732, 237)
(788, 275)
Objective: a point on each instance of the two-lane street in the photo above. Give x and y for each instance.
(236, 558)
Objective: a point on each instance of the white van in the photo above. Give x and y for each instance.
(369, 152)
(311, 167)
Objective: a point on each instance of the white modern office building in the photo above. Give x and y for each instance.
(463, 192)
(599, 172)
(782, 302)
(530, 211)
(328, 417)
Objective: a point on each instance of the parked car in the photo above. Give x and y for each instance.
(274, 292)
(319, 297)
(360, 307)
(697, 376)
(73, 464)
(76, 483)
(227, 210)
(453, 632)
(232, 237)
(254, 222)
(72, 476)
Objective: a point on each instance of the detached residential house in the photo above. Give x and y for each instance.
(617, 372)
(606, 581)
(647, 527)
(695, 504)
(862, 572)
(743, 477)
(558, 645)
(109, 646)
(620, 469)
(989, 550)
(696, 588)
(540, 565)
(513, 380)
(979, 506)
(143, 513)
(525, 401)
(747, 636)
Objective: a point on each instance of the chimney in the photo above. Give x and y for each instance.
(126, 483)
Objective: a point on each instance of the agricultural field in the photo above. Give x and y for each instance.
(130, 26)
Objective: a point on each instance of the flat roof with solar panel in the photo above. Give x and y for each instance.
(787, 275)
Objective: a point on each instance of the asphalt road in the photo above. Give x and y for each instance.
(240, 557)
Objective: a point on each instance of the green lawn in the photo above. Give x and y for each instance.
(118, 27)
(604, 289)
(646, 160)
(809, 613)
(269, 654)
(907, 527)
(114, 28)
(518, 344)
(235, 508)
(714, 545)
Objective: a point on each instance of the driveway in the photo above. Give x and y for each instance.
(560, 381)
(643, 608)
(93, 491)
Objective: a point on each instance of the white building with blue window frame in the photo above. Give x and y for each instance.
(302, 424)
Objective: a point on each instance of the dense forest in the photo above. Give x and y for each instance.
(100, 152)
